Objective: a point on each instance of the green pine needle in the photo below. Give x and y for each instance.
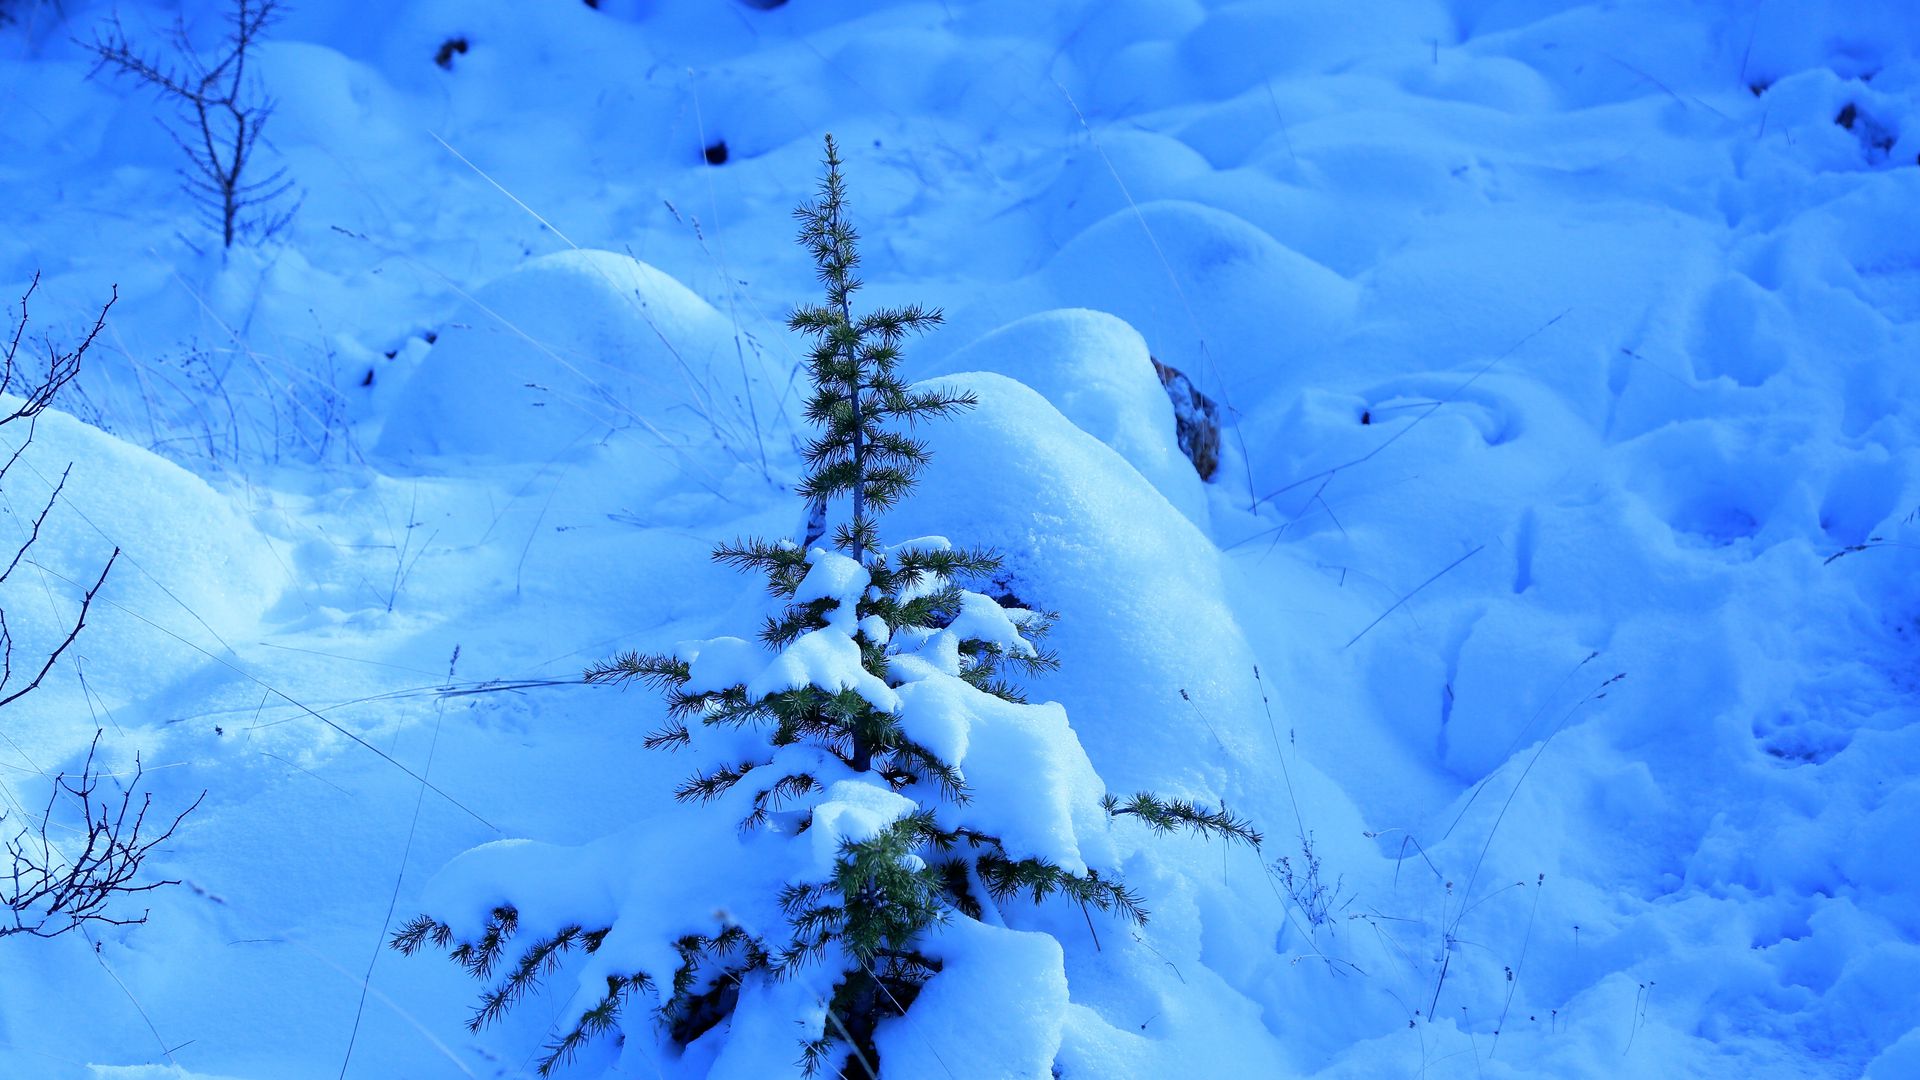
(1172, 815)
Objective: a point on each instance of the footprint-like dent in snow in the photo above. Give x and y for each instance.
(1712, 485)
(1794, 737)
(1859, 497)
(1819, 715)
(1787, 923)
(1740, 333)
(1405, 400)
(1525, 537)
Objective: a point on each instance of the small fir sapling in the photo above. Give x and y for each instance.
(859, 702)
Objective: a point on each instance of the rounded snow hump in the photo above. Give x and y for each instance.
(191, 577)
(569, 348)
(1096, 370)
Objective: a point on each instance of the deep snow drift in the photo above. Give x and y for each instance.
(1557, 342)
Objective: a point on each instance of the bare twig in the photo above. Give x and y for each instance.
(62, 364)
(1410, 595)
(78, 622)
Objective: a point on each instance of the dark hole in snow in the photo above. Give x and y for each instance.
(1876, 139)
(453, 46)
(717, 153)
(391, 353)
(764, 5)
(701, 1013)
(368, 381)
(1366, 416)
(594, 4)
(430, 337)
(1758, 88)
(1005, 591)
(816, 522)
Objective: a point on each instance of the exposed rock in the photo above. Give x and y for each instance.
(1196, 420)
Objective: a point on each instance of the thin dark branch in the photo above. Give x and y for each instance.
(34, 534)
(1410, 595)
(52, 658)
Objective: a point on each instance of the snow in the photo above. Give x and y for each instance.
(829, 659)
(981, 619)
(1086, 535)
(150, 1072)
(566, 349)
(770, 1013)
(1555, 341)
(1096, 370)
(1030, 783)
(875, 629)
(850, 812)
(718, 663)
(193, 574)
(997, 1008)
(832, 576)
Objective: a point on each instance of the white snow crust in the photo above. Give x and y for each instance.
(1566, 514)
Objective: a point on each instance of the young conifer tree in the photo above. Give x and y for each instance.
(869, 682)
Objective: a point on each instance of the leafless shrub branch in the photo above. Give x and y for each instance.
(61, 365)
(48, 889)
(49, 892)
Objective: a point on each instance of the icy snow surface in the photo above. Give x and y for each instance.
(1556, 342)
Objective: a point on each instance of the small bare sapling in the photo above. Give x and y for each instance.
(224, 112)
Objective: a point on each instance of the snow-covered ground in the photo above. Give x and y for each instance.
(1558, 342)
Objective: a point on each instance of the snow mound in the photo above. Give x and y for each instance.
(1295, 38)
(1212, 294)
(958, 1026)
(192, 577)
(1900, 1059)
(328, 100)
(565, 350)
(1029, 781)
(1141, 595)
(1096, 370)
(616, 882)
